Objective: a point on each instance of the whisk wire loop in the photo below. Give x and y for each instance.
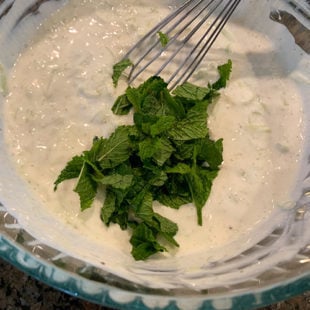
(208, 44)
(188, 41)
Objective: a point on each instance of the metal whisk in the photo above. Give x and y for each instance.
(190, 32)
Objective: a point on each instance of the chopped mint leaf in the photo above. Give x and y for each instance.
(166, 228)
(135, 97)
(108, 207)
(164, 151)
(144, 242)
(71, 171)
(224, 72)
(167, 155)
(181, 168)
(191, 91)
(122, 105)
(163, 38)
(210, 151)
(199, 190)
(116, 149)
(162, 124)
(193, 126)
(174, 106)
(116, 180)
(173, 201)
(147, 148)
(119, 68)
(157, 177)
(86, 187)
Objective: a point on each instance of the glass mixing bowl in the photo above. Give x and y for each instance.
(273, 261)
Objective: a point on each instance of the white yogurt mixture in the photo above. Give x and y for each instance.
(60, 97)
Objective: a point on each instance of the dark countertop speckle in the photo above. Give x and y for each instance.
(19, 291)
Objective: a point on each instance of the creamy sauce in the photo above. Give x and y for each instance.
(60, 97)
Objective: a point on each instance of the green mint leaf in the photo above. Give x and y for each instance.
(165, 225)
(191, 92)
(152, 105)
(92, 154)
(155, 176)
(122, 105)
(143, 122)
(173, 106)
(175, 191)
(163, 38)
(208, 177)
(152, 86)
(118, 210)
(147, 148)
(144, 243)
(193, 126)
(158, 224)
(121, 216)
(135, 97)
(71, 171)
(119, 68)
(224, 72)
(144, 209)
(153, 125)
(185, 149)
(163, 123)
(116, 180)
(90, 157)
(109, 207)
(86, 187)
(196, 187)
(200, 183)
(150, 96)
(164, 150)
(211, 152)
(115, 208)
(116, 149)
(181, 168)
(159, 149)
(167, 228)
(173, 201)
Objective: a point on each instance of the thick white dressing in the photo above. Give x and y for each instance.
(60, 97)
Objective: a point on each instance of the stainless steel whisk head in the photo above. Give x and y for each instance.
(190, 32)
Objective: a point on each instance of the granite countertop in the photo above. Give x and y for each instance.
(19, 291)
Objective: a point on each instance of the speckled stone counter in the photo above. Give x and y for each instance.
(18, 291)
